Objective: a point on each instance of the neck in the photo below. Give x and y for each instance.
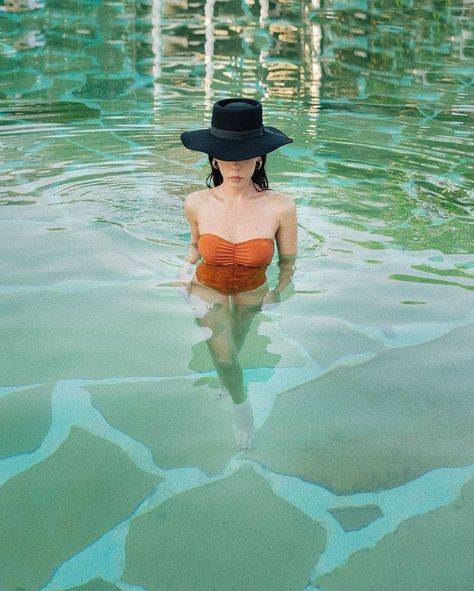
(229, 191)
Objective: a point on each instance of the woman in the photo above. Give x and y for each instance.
(234, 224)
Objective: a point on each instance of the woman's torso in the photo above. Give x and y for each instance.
(236, 241)
(255, 252)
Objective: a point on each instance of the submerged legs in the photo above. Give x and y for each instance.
(229, 319)
(223, 351)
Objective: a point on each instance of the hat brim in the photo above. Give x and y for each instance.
(202, 140)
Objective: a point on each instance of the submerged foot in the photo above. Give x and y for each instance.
(242, 422)
(223, 392)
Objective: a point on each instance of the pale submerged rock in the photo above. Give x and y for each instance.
(431, 551)
(181, 424)
(328, 340)
(25, 418)
(61, 505)
(354, 518)
(234, 534)
(379, 424)
(95, 332)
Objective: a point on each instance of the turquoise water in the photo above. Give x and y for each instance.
(118, 465)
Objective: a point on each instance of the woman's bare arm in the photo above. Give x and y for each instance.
(187, 270)
(286, 238)
(191, 215)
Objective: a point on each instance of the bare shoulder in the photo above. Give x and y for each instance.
(283, 203)
(195, 199)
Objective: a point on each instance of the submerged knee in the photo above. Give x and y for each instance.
(226, 361)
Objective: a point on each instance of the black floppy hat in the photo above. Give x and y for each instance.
(236, 132)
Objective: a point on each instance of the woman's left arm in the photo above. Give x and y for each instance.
(286, 235)
(286, 238)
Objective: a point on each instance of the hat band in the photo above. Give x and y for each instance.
(224, 134)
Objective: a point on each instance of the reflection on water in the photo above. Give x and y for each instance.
(360, 384)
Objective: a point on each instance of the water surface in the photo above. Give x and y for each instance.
(118, 465)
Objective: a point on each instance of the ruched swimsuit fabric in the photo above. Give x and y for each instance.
(231, 267)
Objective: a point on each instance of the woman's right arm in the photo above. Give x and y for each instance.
(190, 211)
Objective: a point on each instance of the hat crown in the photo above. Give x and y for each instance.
(236, 132)
(237, 114)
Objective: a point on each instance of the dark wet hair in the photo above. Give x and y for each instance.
(259, 177)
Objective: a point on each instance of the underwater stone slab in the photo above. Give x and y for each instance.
(61, 505)
(379, 424)
(234, 534)
(327, 339)
(364, 296)
(96, 253)
(279, 345)
(182, 425)
(25, 418)
(98, 87)
(354, 518)
(113, 331)
(95, 585)
(430, 551)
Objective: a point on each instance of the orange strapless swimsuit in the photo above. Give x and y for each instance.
(231, 267)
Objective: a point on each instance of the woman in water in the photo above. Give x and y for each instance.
(234, 224)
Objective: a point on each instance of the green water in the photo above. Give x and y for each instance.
(118, 464)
